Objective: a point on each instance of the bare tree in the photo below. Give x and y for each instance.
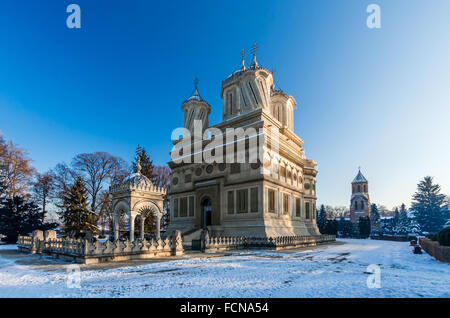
(63, 178)
(97, 169)
(16, 169)
(43, 188)
(162, 176)
(162, 179)
(105, 211)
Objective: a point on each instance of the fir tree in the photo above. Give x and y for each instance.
(331, 227)
(322, 219)
(396, 219)
(147, 168)
(404, 223)
(19, 216)
(364, 226)
(375, 219)
(427, 205)
(76, 216)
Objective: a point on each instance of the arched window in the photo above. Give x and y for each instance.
(356, 205)
(359, 188)
(365, 189)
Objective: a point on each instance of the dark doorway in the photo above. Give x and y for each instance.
(207, 212)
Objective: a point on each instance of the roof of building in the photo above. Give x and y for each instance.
(138, 179)
(359, 177)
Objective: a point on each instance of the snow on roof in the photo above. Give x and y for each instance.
(359, 177)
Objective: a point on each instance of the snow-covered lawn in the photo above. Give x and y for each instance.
(338, 270)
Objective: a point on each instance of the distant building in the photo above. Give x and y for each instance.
(360, 200)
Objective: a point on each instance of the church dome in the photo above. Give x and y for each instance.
(137, 179)
(196, 97)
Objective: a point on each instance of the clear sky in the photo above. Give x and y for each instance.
(375, 98)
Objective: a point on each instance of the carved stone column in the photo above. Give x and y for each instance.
(142, 227)
(116, 226)
(158, 226)
(132, 218)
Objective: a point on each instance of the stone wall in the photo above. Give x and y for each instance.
(441, 253)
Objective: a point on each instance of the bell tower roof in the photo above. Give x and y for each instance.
(196, 96)
(359, 178)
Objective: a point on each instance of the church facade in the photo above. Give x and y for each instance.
(272, 196)
(360, 200)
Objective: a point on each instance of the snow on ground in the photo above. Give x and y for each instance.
(338, 270)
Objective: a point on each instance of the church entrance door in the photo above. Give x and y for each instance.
(207, 212)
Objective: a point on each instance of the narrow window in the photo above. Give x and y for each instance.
(243, 98)
(307, 210)
(254, 199)
(271, 194)
(230, 202)
(254, 96)
(230, 103)
(183, 207)
(175, 207)
(191, 206)
(359, 188)
(286, 203)
(242, 197)
(297, 206)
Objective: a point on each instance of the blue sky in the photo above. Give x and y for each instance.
(375, 98)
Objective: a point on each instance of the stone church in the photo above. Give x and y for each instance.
(360, 200)
(272, 197)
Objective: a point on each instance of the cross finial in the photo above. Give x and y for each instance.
(359, 168)
(242, 60)
(242, 54)
(138, 164)
(196, 82)
(196, 85)
(254, 48)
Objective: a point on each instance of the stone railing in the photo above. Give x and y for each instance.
(82, 250)
(243, 242)
(25, 241)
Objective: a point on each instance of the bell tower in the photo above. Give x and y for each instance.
(195, 108)
(360, 200)
(246, 89)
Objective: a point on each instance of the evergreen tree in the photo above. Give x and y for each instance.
(364, 226)
(396, 219)
(427, 205)
(19, 216)
(404, 223)
(331, 227)
(346, 228)
(147, 168)
(76, 216)
(375, 219)
(322, 219)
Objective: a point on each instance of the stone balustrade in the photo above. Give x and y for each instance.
(242, 242)
(134, 186)
(85, 251)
